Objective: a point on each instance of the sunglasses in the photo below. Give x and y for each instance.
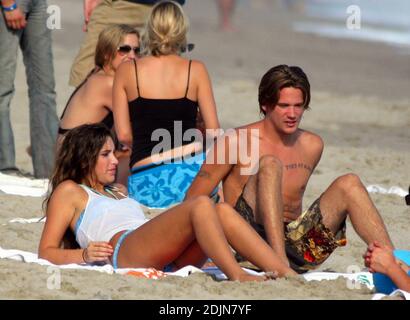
(125, 49)
(189, 47)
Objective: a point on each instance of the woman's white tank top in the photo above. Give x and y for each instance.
(103, 217)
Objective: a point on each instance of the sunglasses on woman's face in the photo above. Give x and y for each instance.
(125, 49)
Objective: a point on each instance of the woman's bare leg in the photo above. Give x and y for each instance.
(164, 238)
(243, 238)
(193, 255)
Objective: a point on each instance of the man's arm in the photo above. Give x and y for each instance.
(215, 169)
(14, 17)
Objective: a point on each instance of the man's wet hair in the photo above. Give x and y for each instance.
(279, 77)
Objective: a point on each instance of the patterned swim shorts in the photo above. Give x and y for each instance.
(308, 242)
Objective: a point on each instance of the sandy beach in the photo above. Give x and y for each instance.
(360, 106)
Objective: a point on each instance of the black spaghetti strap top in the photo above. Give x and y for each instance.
(108, 120)
(173, 116)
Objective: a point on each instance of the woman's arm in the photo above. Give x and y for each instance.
(400, 278)
(120, 104)
(60, 212)
(67, 199)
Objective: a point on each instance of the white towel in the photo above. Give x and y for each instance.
(29, 257)
(23, 186)
(392, 190)
(352, 279)
(396, 293)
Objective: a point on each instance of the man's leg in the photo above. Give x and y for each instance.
(38, 60)
(348, 196)
(9, 40)
(263, 193)
(105, 14)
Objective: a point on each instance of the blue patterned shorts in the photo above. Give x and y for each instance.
(163, 185)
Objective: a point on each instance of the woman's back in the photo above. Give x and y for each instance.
(164, 77)
(168, 110)
(90, 103)
(156, 103)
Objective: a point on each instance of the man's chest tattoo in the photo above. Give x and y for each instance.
(299, 165)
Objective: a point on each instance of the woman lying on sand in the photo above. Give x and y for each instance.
(110, 226)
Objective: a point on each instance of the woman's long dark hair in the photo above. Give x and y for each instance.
(76, 159)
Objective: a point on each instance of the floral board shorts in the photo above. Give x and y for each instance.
(308, 242)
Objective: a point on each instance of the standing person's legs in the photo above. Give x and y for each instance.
(262, 196)
(38, 60)
(226, 8)
(108, 12)
(348, 196)
(9, 40)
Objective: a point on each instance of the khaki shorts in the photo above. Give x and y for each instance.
(308, 242)
(107, 13)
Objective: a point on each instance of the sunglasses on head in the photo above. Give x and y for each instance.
(126, 49)
(189, 47)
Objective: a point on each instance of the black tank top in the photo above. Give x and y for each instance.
(147, 115)
(108, 120)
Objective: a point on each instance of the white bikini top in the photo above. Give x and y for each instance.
(103, 217)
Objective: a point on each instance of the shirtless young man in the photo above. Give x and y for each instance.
(271, 199)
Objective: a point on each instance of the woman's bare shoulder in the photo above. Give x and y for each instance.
(198, 65)
(68, 189)
(100, 81)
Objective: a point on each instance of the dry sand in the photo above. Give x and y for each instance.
(360, 106)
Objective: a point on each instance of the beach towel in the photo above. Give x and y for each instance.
(23, 186)
(151, 273)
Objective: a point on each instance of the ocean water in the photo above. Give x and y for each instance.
(386, 21)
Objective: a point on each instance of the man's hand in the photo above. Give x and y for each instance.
(15, 19)
(89, 6)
